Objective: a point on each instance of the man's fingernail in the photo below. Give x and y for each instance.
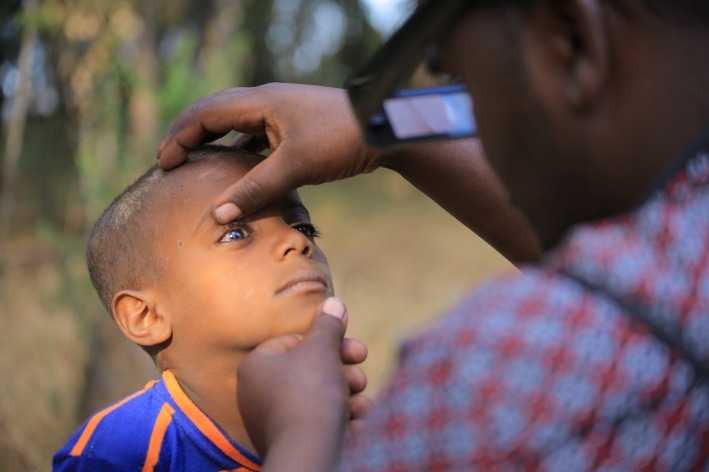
(333, 306)
(226, 212)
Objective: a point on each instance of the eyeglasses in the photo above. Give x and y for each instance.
(388, 117)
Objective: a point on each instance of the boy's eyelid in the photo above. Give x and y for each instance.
(316, 233)
(299, 219)
(226, 228)
(240, 223)
(301, 223)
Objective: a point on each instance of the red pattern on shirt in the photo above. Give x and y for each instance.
(537, 372)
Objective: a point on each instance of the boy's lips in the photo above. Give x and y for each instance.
(309, 281)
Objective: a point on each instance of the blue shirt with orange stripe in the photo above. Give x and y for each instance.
(157, 428)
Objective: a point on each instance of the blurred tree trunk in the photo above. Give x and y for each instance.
(360, 36)
(116, 367)
(15, 125)
(258, 16)
(143, 108)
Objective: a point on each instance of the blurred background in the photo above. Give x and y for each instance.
(87, 88)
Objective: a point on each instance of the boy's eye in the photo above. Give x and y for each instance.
(307, 229)
(235, 234)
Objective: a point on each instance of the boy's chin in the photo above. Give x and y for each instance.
(296, 316)
(309, 303)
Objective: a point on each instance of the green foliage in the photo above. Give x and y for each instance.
(182, 84)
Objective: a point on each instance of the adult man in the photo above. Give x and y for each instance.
(594, 115)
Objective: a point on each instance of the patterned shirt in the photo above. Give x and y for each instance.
(157, 428)
(547, 370)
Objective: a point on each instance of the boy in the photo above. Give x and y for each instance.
(197, 296)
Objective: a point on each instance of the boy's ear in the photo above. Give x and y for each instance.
(136, 316)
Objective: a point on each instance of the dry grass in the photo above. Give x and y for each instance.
(39, 356)
(398, 262)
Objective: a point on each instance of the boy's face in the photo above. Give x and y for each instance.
(229, 287)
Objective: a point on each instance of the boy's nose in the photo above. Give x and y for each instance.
(291, 242)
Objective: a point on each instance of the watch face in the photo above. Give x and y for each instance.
(397, 58)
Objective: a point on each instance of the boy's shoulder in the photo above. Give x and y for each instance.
(119, 436)
(157, 428)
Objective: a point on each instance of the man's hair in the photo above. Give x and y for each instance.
(686, 12)
(121, 252)
(692, 11)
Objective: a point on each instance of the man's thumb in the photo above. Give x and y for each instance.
(330, 324)
(334, 307)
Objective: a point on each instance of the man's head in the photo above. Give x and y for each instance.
(581, 103)
(178, 282)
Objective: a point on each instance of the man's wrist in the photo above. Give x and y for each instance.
(389, 158)
(311, 446)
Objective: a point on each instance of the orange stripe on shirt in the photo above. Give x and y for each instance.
(96, 419)
(156, 437)
(203, 423)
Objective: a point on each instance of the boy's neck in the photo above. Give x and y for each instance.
(214, 392)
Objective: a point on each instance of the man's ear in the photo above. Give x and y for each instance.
(136, 316)
(569, 46)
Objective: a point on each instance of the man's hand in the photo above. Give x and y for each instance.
(311, 130)
(297, 393)
(315, 138)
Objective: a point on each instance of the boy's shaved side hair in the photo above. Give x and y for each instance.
(121, 252)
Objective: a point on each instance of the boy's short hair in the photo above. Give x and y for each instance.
(121, 252)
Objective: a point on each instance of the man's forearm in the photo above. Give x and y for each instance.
(456, 175)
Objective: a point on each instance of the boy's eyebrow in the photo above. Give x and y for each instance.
(293, 204)
(208, 217)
